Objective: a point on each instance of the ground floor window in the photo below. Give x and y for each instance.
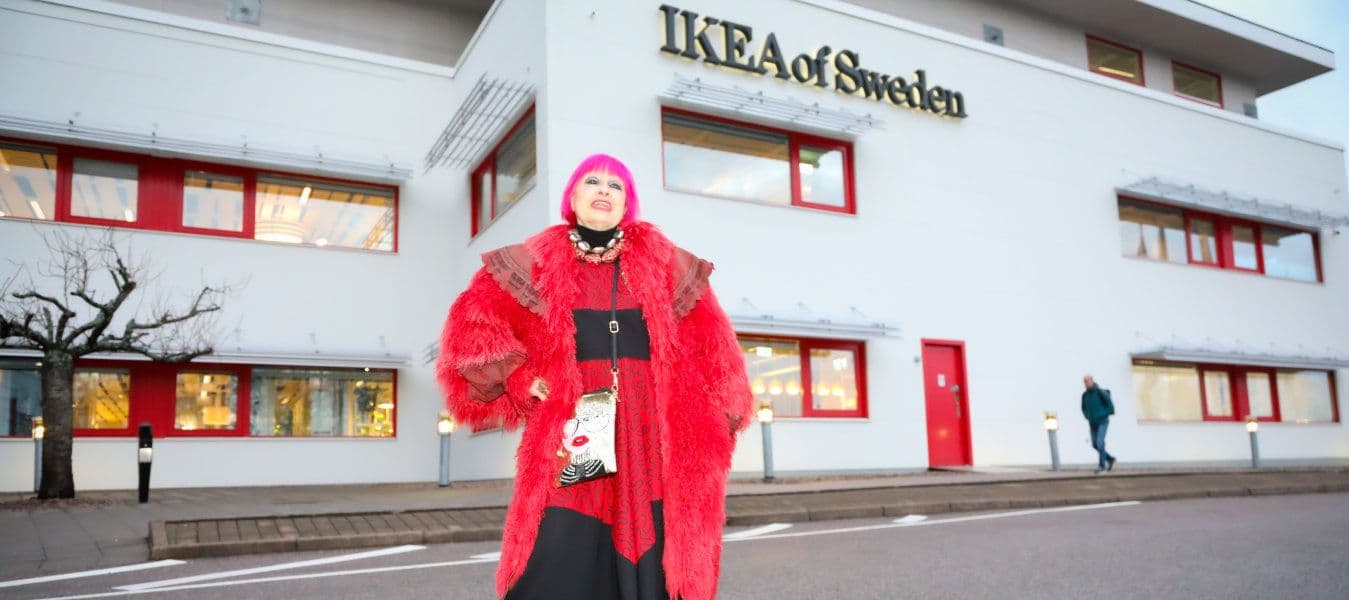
(112, 398)
(806, 377)
(1208, 392)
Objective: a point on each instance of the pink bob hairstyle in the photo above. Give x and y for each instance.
(604, 164)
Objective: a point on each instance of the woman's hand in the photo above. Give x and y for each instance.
(539, 389)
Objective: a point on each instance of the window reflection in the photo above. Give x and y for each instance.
(102, 399)
(822, 176)
(1217, 394)
(304, 402)
(206, 401)
(1289, 254)
(1259, 394)
(213, 201)
(1305, 396)
(1196, 84)
(833, 375)
(719, 159)
(20, 398)
(1243, 248)
(27, 182)
(103, 189)
(1203, 243)
(324, 214)
(1148, 231)
(774, 368)
(1167, 393)
(515, 164)
(1117, 61)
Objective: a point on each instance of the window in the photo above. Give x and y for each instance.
(102, 399)
(316, 213)
(807, 377)
(27, 182)
(726, 159)
(212, 201)
(1197, 84)
(1155, 232)
(119, 189)
(104, 190)
(206, 401)
(20, 396)
(505, 175)
(1189, 392)
(1114, 60)
(1184, 236)
(312, 402)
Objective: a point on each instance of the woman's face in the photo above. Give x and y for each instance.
(599, 200)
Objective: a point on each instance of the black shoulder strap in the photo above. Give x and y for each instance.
(613, 328)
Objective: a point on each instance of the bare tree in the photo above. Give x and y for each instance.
(72, 316)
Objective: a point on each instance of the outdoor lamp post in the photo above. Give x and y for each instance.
(39, 432)
(145, 454)
(766, 424)
(1253, 428)
(445, 426)
(1052, 426)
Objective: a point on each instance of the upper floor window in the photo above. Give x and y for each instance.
(119, 189)
(805, 377)
(1197, 84)
(1182, 236)
(728, 159)
(505, 175)
(1114, 60)
(1206, 392)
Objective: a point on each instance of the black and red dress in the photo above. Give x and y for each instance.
(603, 539)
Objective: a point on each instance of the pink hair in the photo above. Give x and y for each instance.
(604, 164)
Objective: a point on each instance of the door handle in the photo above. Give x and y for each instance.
(955, 391)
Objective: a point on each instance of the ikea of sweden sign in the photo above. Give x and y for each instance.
(727, 44)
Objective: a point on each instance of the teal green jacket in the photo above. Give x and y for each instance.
(1096, 405)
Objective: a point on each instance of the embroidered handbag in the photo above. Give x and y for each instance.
(587, 450)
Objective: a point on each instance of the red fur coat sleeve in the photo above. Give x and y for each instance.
(482, 366)
(715, 353)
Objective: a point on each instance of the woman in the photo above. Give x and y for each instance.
(532, 334)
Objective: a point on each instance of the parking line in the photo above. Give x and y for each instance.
(94, 573)
(749, 533)
(1017, 513)
(269, 568)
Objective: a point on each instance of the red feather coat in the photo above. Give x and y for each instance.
(514, 323)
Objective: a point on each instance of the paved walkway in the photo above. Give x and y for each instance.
(109, 528)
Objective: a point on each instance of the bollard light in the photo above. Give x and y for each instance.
(39, 432)
(444, 427)
(1253, 429)
(145, 454)
(1051, 424)
(765, 416)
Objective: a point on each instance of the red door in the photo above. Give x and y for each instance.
(948, 415)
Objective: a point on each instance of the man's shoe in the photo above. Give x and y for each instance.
(1110, 466)
(1099, 471)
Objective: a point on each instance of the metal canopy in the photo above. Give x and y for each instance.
(490, 108)
(736, 101)
(75, 132)
(1238, 357)
(1221, 202)
(750, 319)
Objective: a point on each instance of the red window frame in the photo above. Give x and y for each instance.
(794, 142)
(1142, 77)
(488, 164)
(153, 398)
(1241, 401)
(159, 195)
(805, 345)
(1225, 239)
(1175, 63)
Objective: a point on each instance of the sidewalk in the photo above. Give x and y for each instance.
(108, 528)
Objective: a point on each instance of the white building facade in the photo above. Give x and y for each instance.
(929, 219)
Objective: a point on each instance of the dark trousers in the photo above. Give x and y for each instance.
(1098, 442)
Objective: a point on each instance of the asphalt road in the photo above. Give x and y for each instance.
(1254, 547)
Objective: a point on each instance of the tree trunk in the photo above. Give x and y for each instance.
(58, 374)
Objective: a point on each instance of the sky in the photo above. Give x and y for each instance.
(1320, 105)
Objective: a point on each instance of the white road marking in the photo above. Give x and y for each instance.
(911, 519)
(487, 556)
(452, 563)
(749, 533)
(94, 573)
(269, 568)
(1016, 513)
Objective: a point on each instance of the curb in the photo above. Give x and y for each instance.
(305, 532)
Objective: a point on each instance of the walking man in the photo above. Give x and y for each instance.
(1097, 408)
